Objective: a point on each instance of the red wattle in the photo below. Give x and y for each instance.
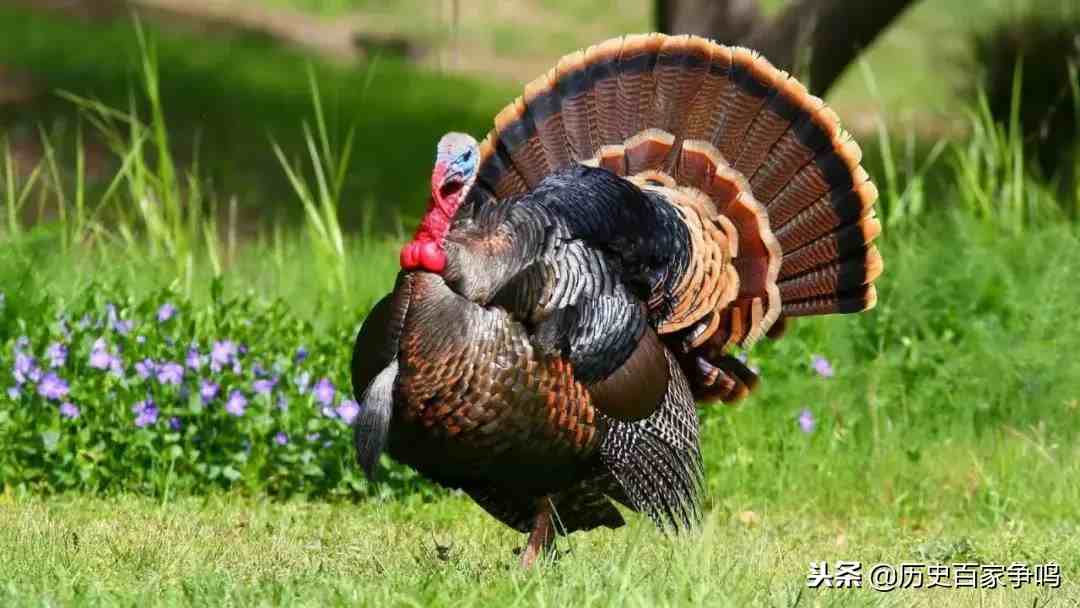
(409, 258)
(424, 251)
(432, 257)
(423, 255)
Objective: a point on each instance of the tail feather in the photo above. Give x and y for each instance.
(859, 269)
(776, 203)
(578, 105)
(751, 78)
(657, 461)
(774, 119)
(636, 84)
(856, 300)
(704, 115)
(517, 132)
(680, 69)
(542, 99)
(602, 62)
(820, 250)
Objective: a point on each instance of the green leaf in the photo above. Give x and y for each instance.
(49, 440)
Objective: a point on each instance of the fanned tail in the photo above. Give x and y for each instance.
(779, 210)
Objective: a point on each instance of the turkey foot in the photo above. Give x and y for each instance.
(542, 537)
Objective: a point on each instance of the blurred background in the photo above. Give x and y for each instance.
(196, 159)
(233, 73)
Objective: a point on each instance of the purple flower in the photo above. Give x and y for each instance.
(222, 354)
(14, 392)
(21, 343)
(259, 370)
(264, 386)
(53, 387)
(806, 421)
(194, 360)
(56, 354)
(145, 368)
(101, 358)
(348, 410)
(281, 438)
(24, 367)
(208, 390)
(166, 312)
(324, 391)
(146, 413)
(236, 404)
(69, 410)
(301, 354)
(303, 381)
(120, 326)
(822, 366)
(170, 373)
(175, 424)
(312, 437)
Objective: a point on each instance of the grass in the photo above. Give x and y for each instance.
(948, 433)
(240, 551)
(227, 98)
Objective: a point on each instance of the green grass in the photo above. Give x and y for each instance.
(226, 97)
(949, 432)
(232, 550)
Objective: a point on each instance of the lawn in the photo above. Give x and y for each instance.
(942, 430)
(221, 551)
(946, 434)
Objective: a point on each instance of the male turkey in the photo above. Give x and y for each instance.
(583, 275)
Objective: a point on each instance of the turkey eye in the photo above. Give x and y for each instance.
(467, 156)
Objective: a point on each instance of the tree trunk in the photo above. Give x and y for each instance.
(815, 39)
(726, 21)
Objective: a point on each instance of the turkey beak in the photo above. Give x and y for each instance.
(372, 426)
(452, 184)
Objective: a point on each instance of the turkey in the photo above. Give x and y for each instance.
(588, 272)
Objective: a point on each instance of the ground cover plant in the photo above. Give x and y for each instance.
(940, 428)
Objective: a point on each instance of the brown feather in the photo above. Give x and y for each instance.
(635, 389)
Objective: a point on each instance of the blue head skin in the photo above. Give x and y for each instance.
(456, 161)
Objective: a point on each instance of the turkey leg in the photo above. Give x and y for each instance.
(542, 537)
